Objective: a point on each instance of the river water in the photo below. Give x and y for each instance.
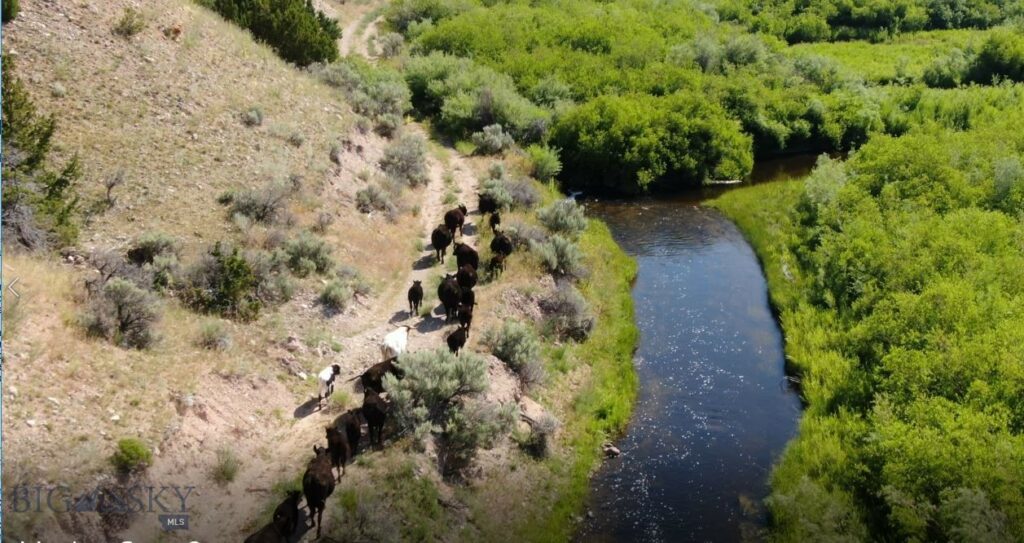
(714, 410)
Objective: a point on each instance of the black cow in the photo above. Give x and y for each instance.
(457, 340)
(415, 297)
(494, 220)
(465, 317)
(468, 296)
(496, 265)
(466, 276)
(375, 411)
(440, 239)
(351, 423)
(318, 485)
(373, 377)
(286, 516)
(456, 218)
(284, 524)
(487, 203)
(338, 446)
(501, 244)
(464, 254)
(450, 295)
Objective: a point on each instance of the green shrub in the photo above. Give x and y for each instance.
(151, 245)
(324, 220)
(9, 9)
(308, 254)
(947, 72)
(40, 205)
(223, 282)
(131, 23)
(403, 14)
(122, 313)
(545, 164)
(627, 143)
(565, 217)
(214, 336)
(434, 382)
(464, 97)
(405, 160)
(516, 344)
(297, 31)
(252, 117)
(166, 271)
(373, 198)
(567, 314)
(131, 455)
(226, 468)
(560, 256)
(497, 190)
(538, 441)
(524, 194)
(492, 140)
(522, 233)
(270, 271)
(469, 429)
(336, 296)
(376, 92)
(264, 205)
(1001, 56)
(391, 44)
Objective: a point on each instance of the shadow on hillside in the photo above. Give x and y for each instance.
(469, 229)
(431, 323)
(401, 315)
(306, 409)
(426, 261)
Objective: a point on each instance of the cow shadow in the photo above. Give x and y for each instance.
(426, 261)
(469, 229)
(431, 324)
(311, 406)
(401, 315)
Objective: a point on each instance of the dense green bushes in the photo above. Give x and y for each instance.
(465, 97)
(633, 95)
(676, 140)
(900, 280)
(824, 20)
(376, 92)
(297, 31)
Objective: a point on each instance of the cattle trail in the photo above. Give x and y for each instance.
(281, 452)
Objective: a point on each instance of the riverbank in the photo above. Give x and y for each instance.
(592, 388)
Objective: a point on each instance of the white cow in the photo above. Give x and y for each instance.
(395, 342)
(325, 382)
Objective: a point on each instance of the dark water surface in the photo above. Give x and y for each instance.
(714, 410)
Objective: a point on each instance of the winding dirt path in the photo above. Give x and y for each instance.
(280, 451)
(277, 452)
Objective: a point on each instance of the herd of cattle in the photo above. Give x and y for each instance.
(455, 293)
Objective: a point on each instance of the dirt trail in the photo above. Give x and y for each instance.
(273, 454)
(278, 452)
(354, 36)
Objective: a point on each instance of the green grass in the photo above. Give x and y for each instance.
(768, 231)
(904, 56)
(603, 408)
